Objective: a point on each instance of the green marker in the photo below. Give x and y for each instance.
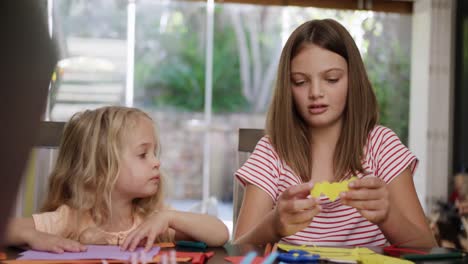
(434, 256)
(193, 244)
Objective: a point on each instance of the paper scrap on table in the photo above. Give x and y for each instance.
(357, 254)
(165, 245)
(186, 256)
(238, 259)
(93, 252)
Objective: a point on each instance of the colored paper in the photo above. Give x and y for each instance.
(183, 256)
(48, 261)
(331, 190)
(238, 259)
(93, 252)
(158, 259)
(358, 255)
(165, 245)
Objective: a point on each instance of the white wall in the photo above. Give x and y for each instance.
(431, 99)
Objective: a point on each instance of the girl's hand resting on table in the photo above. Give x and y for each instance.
(47, 242)
(294, 211)
(370, 197)
(146, 233)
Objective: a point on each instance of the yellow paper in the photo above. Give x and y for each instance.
(358, 254)
(331, 190)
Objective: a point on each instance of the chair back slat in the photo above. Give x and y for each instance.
(248, 139)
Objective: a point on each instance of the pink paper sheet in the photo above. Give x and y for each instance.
(93, 252)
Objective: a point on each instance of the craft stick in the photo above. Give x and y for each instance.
(275, 247)
(267, 250)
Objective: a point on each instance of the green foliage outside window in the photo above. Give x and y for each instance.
(179, 80)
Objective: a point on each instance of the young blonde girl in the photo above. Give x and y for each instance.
(107, 188)
(322, 126)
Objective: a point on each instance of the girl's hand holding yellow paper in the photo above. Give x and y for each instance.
(370, 197)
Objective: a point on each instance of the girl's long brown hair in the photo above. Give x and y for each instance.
(87, 165)
(289, 134)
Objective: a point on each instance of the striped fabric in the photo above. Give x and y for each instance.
(337, 225)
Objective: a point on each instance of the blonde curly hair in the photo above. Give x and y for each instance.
(88, 164)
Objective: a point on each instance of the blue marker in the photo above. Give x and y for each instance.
(249, 258)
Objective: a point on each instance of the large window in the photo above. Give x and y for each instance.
(91, 37)
(171, 42)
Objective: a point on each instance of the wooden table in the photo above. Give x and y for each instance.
(241, 250)
(220, 253)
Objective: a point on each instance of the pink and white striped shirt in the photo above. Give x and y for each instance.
(385, 157)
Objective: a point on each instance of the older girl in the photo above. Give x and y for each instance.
(322, 126)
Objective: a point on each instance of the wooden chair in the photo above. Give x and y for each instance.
(50, 134)
(41, 163)
(248, 139)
